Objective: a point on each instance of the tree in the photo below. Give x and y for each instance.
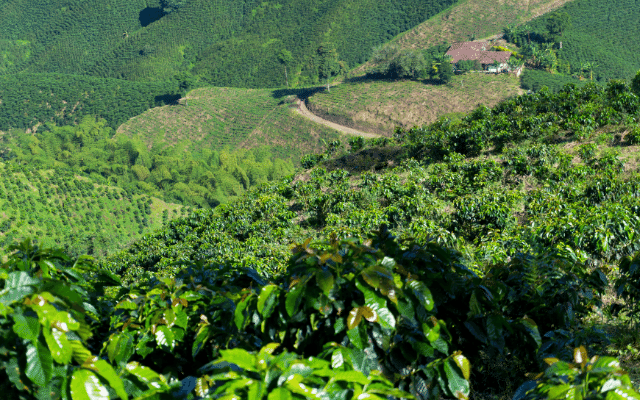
(445, 72)
(329, 64)
(557, 23)
(286, 58)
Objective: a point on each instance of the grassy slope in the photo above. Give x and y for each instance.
(59, 207)
(474, 18)
(237, 118)
(382, 105)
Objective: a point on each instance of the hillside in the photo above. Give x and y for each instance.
(216, 118)
(30, 100)
(472, 19)
(154, 40)
(481, 251)
(602, 41)
(381, 105)
(58, 207)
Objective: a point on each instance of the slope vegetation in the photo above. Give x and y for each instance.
(474, 19)
(139, 40)
(57, 206)
(602, 42)
(216, 118)
(29, 100)
(380, 105)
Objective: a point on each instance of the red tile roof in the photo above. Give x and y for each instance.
(477, 51)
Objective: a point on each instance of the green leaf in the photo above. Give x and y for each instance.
(386, 318)
(239, 317)
(622, 394)
(371, 298)
(423, 294)
(39, 364)
(532, 329)
(146, 375)
(350, 376)
(280, 394)
(355, 335)
(170, 317)
(164, 337)
(293, 300)
(239, 357)
(267, 300)
(109, 374)
(456, 383)
(26, 327)
(20, 279)
(127, 305)
(325, 280)
(201, 339)
(182, 319)
(59, 345)
(10, 296)
(85, 385)
(120, 347)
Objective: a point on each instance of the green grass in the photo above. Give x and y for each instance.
(380, 106)
(56, 206)
(236, 118)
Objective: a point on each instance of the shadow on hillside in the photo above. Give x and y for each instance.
(372, 159)
(302, 94)
(167, 99)
(149, 15)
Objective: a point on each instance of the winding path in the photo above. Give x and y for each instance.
(304, 111)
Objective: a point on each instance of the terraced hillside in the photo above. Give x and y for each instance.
(380, 106)
(154, 40)
(236, 118)
(57, 206)
(469, 19)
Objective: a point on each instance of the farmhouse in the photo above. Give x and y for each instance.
(478, 51)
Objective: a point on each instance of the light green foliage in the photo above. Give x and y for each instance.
(204, 179)
(87, 215)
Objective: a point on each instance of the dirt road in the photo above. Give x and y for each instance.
(304, 111)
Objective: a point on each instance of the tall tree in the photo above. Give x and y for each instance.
(286, 58)
(557, 23)
(329, 63)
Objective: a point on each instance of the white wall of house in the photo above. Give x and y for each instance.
(502, 66)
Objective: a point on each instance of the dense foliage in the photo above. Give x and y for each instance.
(61, 207)
(203, 179)
(575, 51)
(154, 40)
(28, 100)
(455, 272)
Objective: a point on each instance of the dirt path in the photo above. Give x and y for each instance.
(304, 111)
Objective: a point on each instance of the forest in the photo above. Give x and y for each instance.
(495, 256)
